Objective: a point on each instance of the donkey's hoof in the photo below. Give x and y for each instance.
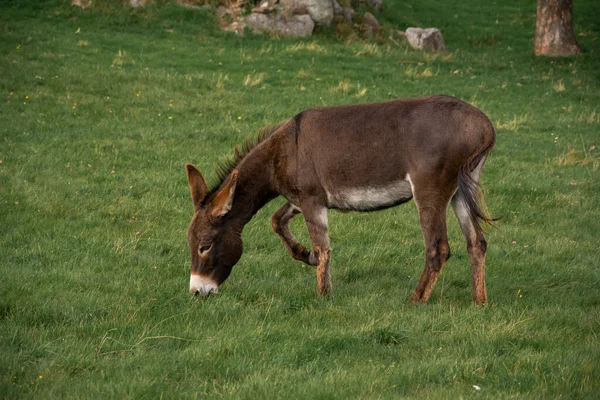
(304, 256)
(416, 299)
(313, 259)
(480, 302)
(325, 292)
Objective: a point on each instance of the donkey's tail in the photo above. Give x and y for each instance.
(469, 190)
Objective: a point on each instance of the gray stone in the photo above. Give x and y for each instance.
(369, 19)
(236, 27)
(337, 9)
(297, 25)
(137, 3)
(369, 26)
(222, 11)
(265, 8)
(321, 11)
(191, 4)
(340, 11)
(376, 5)
(81, 3)
(348, 14)
(425, 39)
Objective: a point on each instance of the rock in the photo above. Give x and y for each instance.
(297, 25)
(369, 25)
(425, 39)
(348, 14)
(300, 10)
(369, 19)
(375, 4)
(340, 11)
(81, 3)
(365, 30)
(137, 3)
(236, 26)
(337, 9)
(265, 8)
(192, 4)
(321, 11)
(222, 11)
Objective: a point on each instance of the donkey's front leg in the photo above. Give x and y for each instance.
(315, 216)
(280, 223)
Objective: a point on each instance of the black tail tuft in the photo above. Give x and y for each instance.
(470, 192)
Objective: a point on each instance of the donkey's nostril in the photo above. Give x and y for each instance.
(200, 285)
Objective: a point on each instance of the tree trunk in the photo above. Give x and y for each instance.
(554, 34)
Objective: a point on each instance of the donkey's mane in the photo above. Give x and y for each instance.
(225, 167)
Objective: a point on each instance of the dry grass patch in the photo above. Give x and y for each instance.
(429, 57)
(589, 117)
(368, 49)
(253, 79)
(312, 46)
(221, 79)
(515, 124)
(360, 92)
(265, 49)
(417, 73)
(558, 86)
(346, 88)
(342, 87)
(584, 117)
(121, 59)
(548, 75)
(302, 74)
(581, 157)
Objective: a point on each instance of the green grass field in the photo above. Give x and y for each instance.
(100, 110)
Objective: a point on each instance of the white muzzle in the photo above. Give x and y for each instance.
(202, 285)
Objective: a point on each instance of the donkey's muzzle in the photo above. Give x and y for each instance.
(202, 285)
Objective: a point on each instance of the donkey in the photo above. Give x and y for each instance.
(362, 157)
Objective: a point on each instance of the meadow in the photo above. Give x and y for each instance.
(101, 108)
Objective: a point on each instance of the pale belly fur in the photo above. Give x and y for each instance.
(371, 197)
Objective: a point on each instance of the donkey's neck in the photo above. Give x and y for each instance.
(254, 188)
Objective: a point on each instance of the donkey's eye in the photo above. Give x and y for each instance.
(205, 249)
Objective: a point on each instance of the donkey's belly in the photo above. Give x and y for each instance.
(370, 198)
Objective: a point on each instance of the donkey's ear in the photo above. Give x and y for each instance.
(224, 199)
(198, 187)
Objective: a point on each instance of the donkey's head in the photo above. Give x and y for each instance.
(214, 237)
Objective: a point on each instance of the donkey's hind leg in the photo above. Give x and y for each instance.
(476, 246)
(432, 213)
(280, 223)
(476, 243)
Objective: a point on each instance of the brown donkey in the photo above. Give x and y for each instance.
(356, 157)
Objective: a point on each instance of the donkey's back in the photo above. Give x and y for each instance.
(370, 156)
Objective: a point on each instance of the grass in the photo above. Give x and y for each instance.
(101, 109)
